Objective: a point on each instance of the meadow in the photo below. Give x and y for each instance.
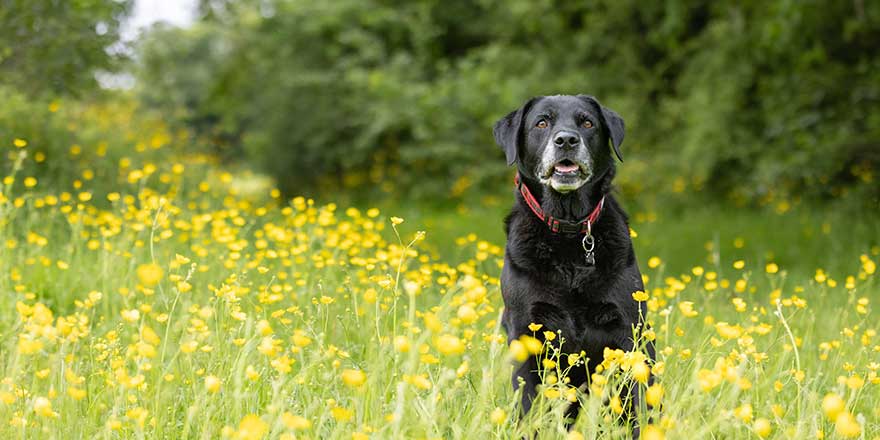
(155, 293)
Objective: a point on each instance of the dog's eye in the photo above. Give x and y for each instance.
(587, 124)
(541, 123)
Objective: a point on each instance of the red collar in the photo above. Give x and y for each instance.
(584, 226)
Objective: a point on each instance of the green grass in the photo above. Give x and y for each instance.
(684, 234)
(282, 305)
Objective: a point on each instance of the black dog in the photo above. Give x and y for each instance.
(569, 262)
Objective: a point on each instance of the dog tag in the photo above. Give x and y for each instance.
(589, 243)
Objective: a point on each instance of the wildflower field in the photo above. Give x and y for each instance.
(151, 293)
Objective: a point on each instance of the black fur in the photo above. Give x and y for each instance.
(507, 132)
(545, 278)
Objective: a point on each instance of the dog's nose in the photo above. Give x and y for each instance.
(565, 139)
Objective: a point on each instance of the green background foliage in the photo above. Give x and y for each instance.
(748, 99)
(55, 47)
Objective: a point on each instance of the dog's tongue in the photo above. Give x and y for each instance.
(566, 168)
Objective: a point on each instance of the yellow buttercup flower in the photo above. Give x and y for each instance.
(132, 315)
(420, 381)
(341, 414)
(498, 416)
(353, 378)
(847, 426)
(213, 384)
(654, 394)
(294, 422)
(641, 372)
(467, 314)
(150, 274)
(532, 345)
(833, 406)
(43, 407)
(615, 405)
(518, 351)
(251, 373)
(687, 309)
(640, 296)
(762, 427)
(76, 393)
(653, 432)
(450, 345)
(401, 344)
(744, 412)
(251, 427)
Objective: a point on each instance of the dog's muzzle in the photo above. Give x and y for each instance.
(565, 165)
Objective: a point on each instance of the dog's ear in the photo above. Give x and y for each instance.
(507, 131)
(614, 123)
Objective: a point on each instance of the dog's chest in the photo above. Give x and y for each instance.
(563, 266)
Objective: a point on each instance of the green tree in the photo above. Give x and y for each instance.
(56, 46)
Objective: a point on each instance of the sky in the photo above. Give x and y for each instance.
(147, 12)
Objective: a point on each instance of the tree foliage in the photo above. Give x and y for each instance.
(55, 46)
(746, 98)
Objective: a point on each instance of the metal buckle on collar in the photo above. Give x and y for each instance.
(589, 243)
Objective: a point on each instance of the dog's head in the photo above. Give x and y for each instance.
(561, 141)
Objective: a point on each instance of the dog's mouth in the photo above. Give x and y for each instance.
(566, 175)
(566, 168)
